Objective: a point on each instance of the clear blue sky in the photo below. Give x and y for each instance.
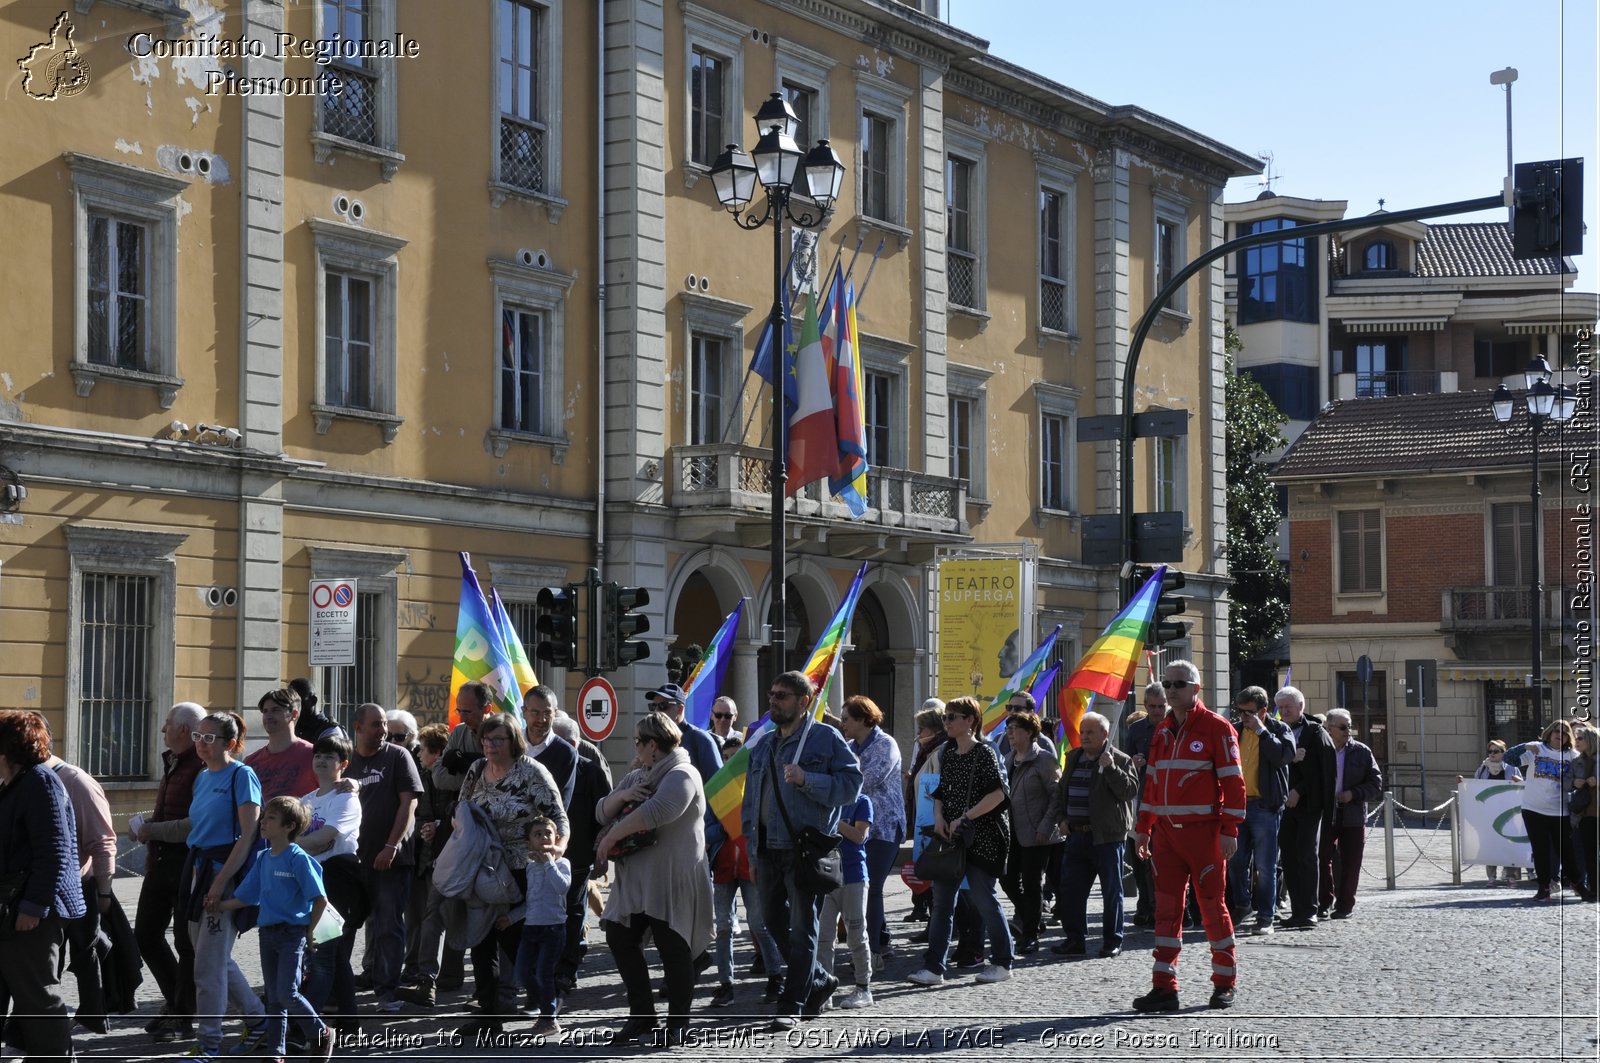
(1356, 100)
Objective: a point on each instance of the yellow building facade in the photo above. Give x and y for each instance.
(483, 299)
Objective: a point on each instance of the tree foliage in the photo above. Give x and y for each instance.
(1260, 595)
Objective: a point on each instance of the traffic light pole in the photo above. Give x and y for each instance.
(591, 580)
(1175, 285)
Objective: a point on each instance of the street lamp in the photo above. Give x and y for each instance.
(802, 187)
(1544, 404)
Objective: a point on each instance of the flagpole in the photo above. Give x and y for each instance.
(862, 294)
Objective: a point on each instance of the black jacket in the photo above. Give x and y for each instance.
(1312, 777)
(590, 784)
(561, 761)
(1276, 745)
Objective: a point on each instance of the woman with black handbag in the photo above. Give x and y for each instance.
(37, 833)
(970, 804)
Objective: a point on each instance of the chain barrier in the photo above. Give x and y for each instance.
(1445, 811)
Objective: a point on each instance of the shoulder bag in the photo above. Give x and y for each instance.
(945, 859)
(818, 867)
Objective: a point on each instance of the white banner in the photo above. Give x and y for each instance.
(1491, 824)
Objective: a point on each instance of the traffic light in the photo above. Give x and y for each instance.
(558, 623)
(1168, 604)
(619, 622)
(1547, 208)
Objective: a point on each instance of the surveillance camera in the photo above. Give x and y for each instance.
(177, 428)
(232, 436)
(1127, 569)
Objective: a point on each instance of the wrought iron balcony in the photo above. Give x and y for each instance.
(1487, 609)
(1377, 385)
(733, 477)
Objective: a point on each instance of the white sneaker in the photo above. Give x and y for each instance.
(994, 973)
(927, 977)
(861, 998)
(1263, 929)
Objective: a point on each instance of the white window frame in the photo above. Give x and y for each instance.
(806, 69)
(880, 356)
(548, 69)
(128, 193)
(971, 385)
(725, 37)
(520, 581)
(348, 249)
(542, 291)
(891, 102)
(1169, 472)
(967, 145)
(1056, 400)
(1171, 209)
(718, 319)
(1055, 175)
(383, 25)
(123, 550)
(375, 572)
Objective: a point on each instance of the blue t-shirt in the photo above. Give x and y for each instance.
(284, 886)
(214, 810)
(853, 855)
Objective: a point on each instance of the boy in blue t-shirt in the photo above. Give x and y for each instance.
(544, 924)
(850, 900)
(286, 882)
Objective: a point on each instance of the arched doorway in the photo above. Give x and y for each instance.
(800, 635)
(695, 621)
(868, 666)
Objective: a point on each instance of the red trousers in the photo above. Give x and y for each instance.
(1181, 855)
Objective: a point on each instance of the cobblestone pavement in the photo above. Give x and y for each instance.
(1427, 971)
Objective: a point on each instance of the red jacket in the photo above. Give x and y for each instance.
(1193, 774)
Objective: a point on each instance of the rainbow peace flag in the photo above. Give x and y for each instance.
(725, 789)
(994, 713)
(521, 667)
(1041, 686)
(480, 653)
(1111, 661)
(703, 683)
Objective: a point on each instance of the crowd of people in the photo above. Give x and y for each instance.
(490, 841)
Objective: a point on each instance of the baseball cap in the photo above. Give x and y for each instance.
(667, 692)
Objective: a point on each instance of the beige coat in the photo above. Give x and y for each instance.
(669, 880)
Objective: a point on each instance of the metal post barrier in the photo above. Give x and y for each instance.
(1455, 837)
(1388, 838)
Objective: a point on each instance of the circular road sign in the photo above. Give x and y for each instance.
(597, 709)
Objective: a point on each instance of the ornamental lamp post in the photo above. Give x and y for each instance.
(1544, 404)
(801, 187)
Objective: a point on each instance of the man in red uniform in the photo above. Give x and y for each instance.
(1193, 805)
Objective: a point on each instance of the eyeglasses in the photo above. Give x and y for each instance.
(779, 695)
(203, 739)
(400, 736)
(1338, 727)
(722, 715)
(1176, 684)
(949, 716)
(491, 740)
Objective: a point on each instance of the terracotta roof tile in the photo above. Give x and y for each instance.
(1480, 249)
(1419, 433)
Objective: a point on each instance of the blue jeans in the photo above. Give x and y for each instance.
(722, 897)
(881, 855)
(1082, 861)
(1258, 840)
(982, 893)
(386, 927)
(791, 916)
(331, 985)
(283, 948)
(537, 956)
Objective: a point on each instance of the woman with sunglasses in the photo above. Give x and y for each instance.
(513, 788)
(971, 798)
(1547, 768)
(222, 836)
(1495, 768)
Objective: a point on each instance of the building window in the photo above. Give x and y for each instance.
(530, 327)
(356, 307)
(1497, 359)
(1292, 388)
(1379, 366)
(804, 102)
(707, 381)
(1509, 713)
(962, 235)
(361, 118)
(1512, 550)
(523, 131)
(1053, 261)
(1277, 281)
(1379, 256)
(1166, 252)
(881, 147)
(125, 253)
(1360, 551)
(961, 418)
(120, 647)
(880, 418)
(522, 371)
(1053, 484)
(1169, 478)
(348, 687)
(1369, 708)
(119, 293)
(713, 60)
(1170, 253)
(967, 429)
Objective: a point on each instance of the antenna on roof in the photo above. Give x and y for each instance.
(1268, 177)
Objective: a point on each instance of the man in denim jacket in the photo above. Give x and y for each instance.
(813, 770)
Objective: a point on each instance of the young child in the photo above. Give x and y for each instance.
(850, 900)
(544, 924)
(731, 877)
(287, 885)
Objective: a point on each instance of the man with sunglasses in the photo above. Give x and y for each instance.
(724, 713)
(1189, 819)
(1357, 780)
(1265, 749)
(284, 763)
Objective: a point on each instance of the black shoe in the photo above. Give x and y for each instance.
(1147, 920)
(704, 961)
(723, 996)
(635, 1030)
(758, 966)
(1069, 948)
(1110, 952)
(1303, 922)
(967, 960)
(363, 981)
(1341, 915)
(449, 983)
(820, 996)
(296, 1042)
(156, 1023)
(173, 1029)
(919, 938)
(1157, 1000)
(420, 995)
(1027, 946)
(1221, 997)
